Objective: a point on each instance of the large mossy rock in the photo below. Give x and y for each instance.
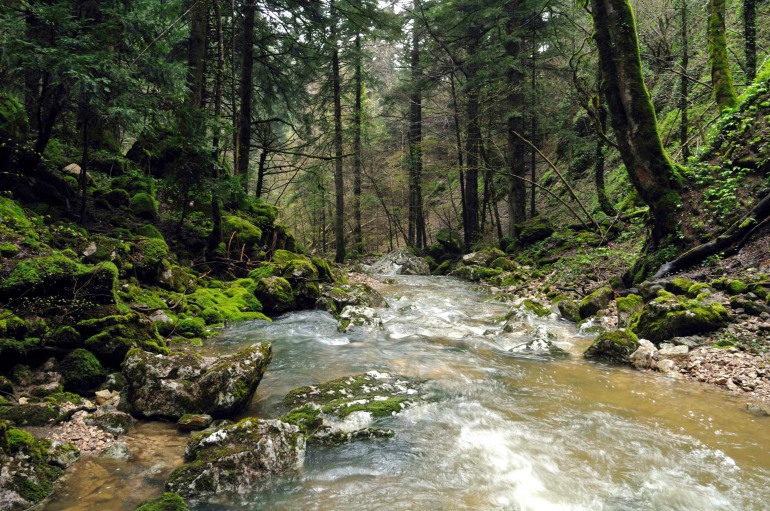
(144, 206)
(81, 372)
(178, 384)
(57, 275)
(147, 257)
(275, 294)
(615, 347)
(348, 408)
(236, 459)
(111, 337)
(596, 301)
(669, 316)
(535, 229)
(29, 467)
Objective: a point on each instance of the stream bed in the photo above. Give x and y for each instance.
(501, 430)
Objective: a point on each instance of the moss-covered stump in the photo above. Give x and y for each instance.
(596, 301)
(615, 347)
(669, 316)
(57, 275)
(336, 298)
(275, 294)
(30, 467)
(169, 501)
(178, 384)
(111, 337)
(81, 372)
(237, 458)
(347, 408)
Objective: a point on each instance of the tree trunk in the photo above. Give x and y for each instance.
(215, 238)
(721, 78)
(247, 70)
(196, 53)
(517, 188)
(85, 114)
(601, 189)
(261, 173)
(633, 117)
(339, 216)
(357, 232)
(459, 143)
(472, 143)
(685, 85)
(416, 218)
(750, 37)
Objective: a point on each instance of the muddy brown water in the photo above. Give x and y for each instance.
(499, 430)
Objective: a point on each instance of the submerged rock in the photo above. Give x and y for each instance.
(361, 318)
(400, 262)
(335, 298)
(345, 409)
(236, 458)
(174, 385)
(615, 347)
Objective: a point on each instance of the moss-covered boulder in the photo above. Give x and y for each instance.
(350, 407)
(669, 316)
(627, 307)
(535, 229)
(147, 257)
(399, 262)
(30, 467)
(176, 278)
(535, 307)
(112, 422)
(144, 206)
(240, 230)
(178, 384)
(275, 294)
(596, 301)
(233, 301)
(358, 318)
(615, 347)
(679, 285)
(81, 372)
(169, 501)
(569, 310)
(38, 414)
(236, 459)
(335, 298)
(111, 337)
(57, 275)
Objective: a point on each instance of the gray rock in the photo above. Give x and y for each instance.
(236, 458)
(117, 451)
(173, 385)
(335, 298)
(194, 422)
(645, 356)
(678, 354)
(475, 259)
(358, 318)
(400, 262)
(666, 367)
(114, 423)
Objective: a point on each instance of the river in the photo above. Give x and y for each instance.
(498, 430)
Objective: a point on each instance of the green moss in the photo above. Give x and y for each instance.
(150, 252)
(307, 417)
(721, 77)
(376, 407)
(168, 502)
(58, 275)
(111, 337)
(21, 441)
(144, 206)
(615, 347)
(680, 286)
(81, 371)
(243, 230)
(117, 197)
(503, 263)
(663, 319)
(8, 249)
(29, 415)
(630, 303)
(264, 269)
(697, 289)
(536, 308)
(324, 270)
(596, 301)
(234, 303)
(60, 397)
(212, 316)
(275, 294)
(150, 231)
(191, 327)
(736, 287)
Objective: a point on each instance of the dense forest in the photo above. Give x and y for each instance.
(171, 168)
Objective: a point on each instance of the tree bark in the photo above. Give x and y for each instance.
(601, 190)
(517, 188)
(721, 78)
(339, 214)
(750, 37)
(472, 143)
(247, 80)
(196, 53)
(416, 217)
(684, 96)
(633, 117)
(215, 238)
(358, 239)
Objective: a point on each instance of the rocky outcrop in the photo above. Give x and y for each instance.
(177, 384)
(670, 316)
(400, 262)
(236, 458)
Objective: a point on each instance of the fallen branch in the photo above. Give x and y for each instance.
(741, 229)
(68, 415)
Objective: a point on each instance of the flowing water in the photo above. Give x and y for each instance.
(501, 430)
